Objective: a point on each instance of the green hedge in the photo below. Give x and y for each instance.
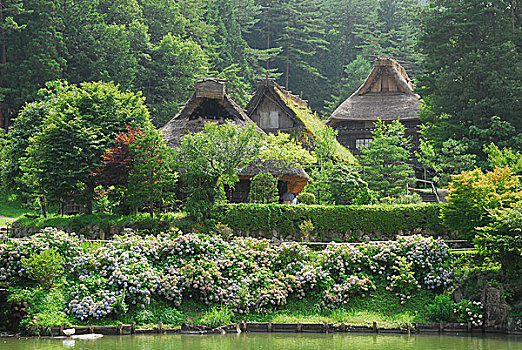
(82, 223)
(386, 219)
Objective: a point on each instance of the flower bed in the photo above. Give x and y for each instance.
(246, 274)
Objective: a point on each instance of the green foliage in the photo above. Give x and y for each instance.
(472, 72)
(286, 218)
(473, 193)
(469, 311)
(216, 317)
(171, 315)
(501, 239)
(45, 267)
(387, 170)
(263, 189)
(46, 308)
(505, 157)
(337, 183)
(152, 179)
(76, 125)
(441, 310)
(413, 198)
(211, 159)
(306, 227)
(306, 198)
(453, 158)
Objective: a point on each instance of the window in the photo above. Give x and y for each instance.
(362, 143)
(269, 120)
(274, 120)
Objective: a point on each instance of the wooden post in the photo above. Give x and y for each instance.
(343, 327)
(375, 326)
(160, 327)
(416, 327)
(91, 329)
(269, 326)
(441, 327)
(133, 328)
(62, 327)
(120, 329)
(469, 326)
(299, 327)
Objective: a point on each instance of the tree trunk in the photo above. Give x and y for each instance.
(43, 205)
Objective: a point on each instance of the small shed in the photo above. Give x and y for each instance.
(274, 109)
(211, 103)
(387, 94)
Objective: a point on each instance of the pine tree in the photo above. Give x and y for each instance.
(473, 71)
(386, 166)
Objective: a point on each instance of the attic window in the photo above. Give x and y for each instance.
(269, 120)
(362, 143)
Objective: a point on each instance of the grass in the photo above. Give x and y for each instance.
(11, 208)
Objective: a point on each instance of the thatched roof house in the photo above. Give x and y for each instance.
(387, 94)
(211, 103)
(274, 109)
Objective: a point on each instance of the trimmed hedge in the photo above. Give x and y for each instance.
(84, 224)
(386, 219)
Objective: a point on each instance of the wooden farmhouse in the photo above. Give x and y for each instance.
(274, 110)
(211, 103)
(387, 94)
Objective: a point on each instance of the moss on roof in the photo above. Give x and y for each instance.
(312, 123)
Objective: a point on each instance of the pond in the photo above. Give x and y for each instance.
(269, 341)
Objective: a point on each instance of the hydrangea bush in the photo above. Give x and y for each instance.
(244, 274)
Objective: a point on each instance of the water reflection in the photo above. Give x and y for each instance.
(269, 341)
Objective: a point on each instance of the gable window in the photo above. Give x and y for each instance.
(274, 120)
(362, 143)
(269, 120)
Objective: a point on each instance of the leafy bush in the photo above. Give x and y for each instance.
(473, 193)
(306, 198)
(413, 198)
(376, 218)
(469, 311)
(441, 310)
(216, 317)
(338, 184)
(171, 316)
(44, 267)
(144, 317)
(501, 239)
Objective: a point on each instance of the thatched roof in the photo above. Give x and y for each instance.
(387, 94)
(209, 103)
(297, 109)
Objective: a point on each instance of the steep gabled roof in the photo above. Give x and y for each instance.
(387, 94)
(297, 109)
(209, 102)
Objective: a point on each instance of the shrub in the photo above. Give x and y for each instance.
(44, 267)
(473, 193)
(469, 311)
(216, 317)
(441, 310)
(502, 239)
(327, 219)
(413, 198)
(171, 316)
(306, 198)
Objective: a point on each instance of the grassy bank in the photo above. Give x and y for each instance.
(11, 209)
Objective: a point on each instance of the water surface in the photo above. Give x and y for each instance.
(271, 341)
